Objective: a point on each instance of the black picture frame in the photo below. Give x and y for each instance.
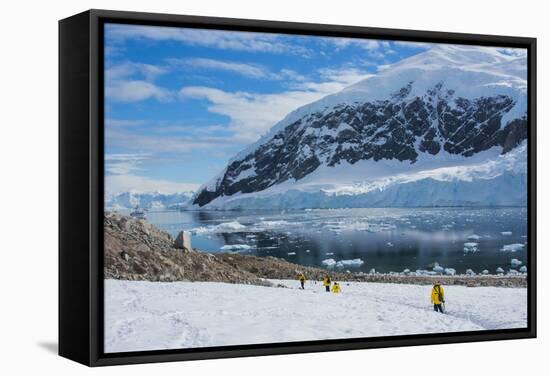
(81, 186)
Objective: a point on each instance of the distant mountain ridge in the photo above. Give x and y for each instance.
(438, 109)
(147, 200)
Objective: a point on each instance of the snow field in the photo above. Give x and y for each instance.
(155, 315)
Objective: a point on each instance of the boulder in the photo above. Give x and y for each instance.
(183, 241)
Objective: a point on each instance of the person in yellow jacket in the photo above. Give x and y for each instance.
(336, 288)
(302, 279)
(438, 297)
(327, 282)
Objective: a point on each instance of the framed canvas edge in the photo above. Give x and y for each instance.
(96, 19)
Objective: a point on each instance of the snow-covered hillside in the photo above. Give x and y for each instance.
(153, 315)
(151, 201)
(447, 118)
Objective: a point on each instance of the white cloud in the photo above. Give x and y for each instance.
(377, 49)
(249, 70)
(253, 114)
(366, 44)
(414, 44)
(147, 143)
(123, 163)
(127, 69)
(229, 40)
(133, 82)
(135, 91)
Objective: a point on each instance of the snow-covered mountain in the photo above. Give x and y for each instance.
(444, 127)
(150, 201)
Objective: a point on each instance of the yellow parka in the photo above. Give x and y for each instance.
(438, 294)
(326, 281)
(336, 288)
(302, 278)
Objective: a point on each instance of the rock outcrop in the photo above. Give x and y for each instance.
(137, 250)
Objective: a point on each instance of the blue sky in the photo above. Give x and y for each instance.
(179, 103)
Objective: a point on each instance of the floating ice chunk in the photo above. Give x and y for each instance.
(515, 262)
(329, 262)
(523, 269)
(512, 247)
(506, 233)
(450, 271)
(233, 226)
(236, 247)
(406, 271)
(470, 247)
(291, 253)
(381, 227)
(437, 268)
(425, 272)
(330, 253)
(230, 226)
(307, 251)
(513, 272)
(372, 271)
(470, 272)
(500, 270)
(485, 272)
(350, 263)
(271, 224)
(389, 244)
(474, 237)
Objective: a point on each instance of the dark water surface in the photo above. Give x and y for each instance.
(387, 239)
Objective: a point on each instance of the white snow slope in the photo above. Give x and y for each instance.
(155, 315)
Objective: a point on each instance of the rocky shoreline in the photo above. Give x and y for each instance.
(136, 250)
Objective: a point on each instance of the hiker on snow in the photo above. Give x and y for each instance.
(326, 282)
(438, 297)
(336, 288)
(302, 279)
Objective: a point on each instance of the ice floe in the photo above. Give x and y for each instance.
(329, 262)
(437, 268)
(350, 263)
(515, 262)
(512, 247)
(450, 271)
(233, 226)
(236, 247)
(471, 247)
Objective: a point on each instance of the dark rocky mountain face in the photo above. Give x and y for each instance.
(399, 128)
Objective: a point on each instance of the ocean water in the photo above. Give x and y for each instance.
(386, 239)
